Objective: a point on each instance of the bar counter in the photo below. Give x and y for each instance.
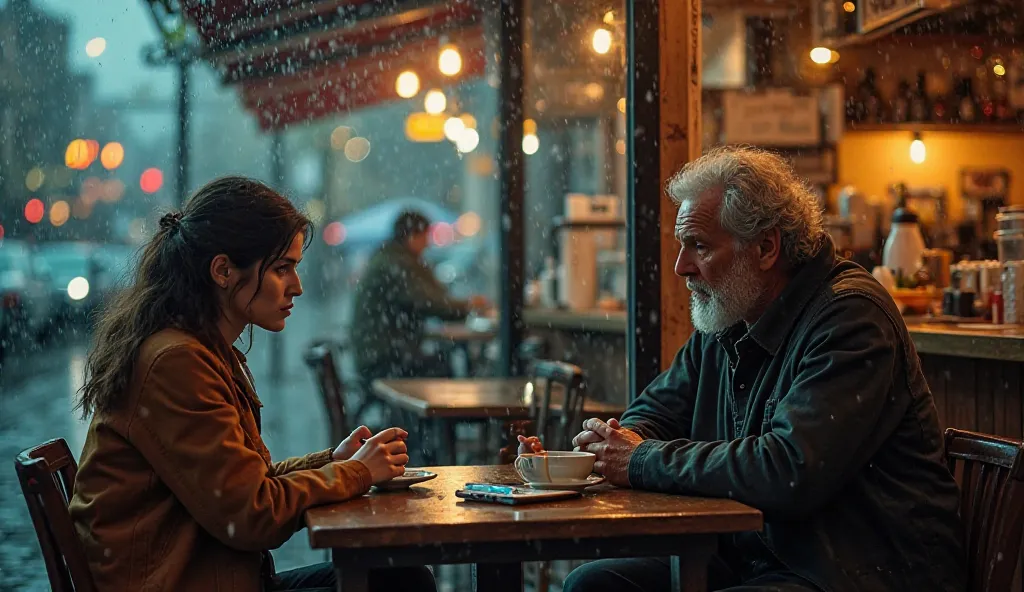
(968, 340)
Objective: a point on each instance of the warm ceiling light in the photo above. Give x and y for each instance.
(407, 84)
(450, 62)
(609, 17)
(621, 105)
(435, 102)
(468, 141)
(531, 143)
(821, 55)
(453, 127)
(602, 41)
(849, 6)
(917, 150)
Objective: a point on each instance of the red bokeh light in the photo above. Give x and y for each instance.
(34, 210)
(1, 232)
(151, 181)
(334, 234)
(442, 234)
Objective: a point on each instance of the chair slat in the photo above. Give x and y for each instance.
(570, 380)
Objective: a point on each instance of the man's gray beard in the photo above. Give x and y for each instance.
(714, 310)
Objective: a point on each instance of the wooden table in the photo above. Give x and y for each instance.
(462, 337)
(478, 398)
(428, 525)
(446, 401)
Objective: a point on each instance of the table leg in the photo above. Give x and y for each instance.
(428, 436)
(690, 572)
(498, 577)
(450, 448)
(352, 578)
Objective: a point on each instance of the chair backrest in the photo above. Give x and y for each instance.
(47, 476)
(321, 360)
(545, 376)
(990, 471)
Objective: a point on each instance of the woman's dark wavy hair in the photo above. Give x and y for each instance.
(242, 218)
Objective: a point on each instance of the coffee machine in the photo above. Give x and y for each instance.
(592, 224)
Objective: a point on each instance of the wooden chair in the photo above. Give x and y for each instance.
(47, 476)
(990, 471)
(546, 376)
(320, 357)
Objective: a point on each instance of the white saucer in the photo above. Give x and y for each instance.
(410, 478)
(574, 485)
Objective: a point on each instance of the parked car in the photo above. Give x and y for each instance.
(77, 279)
(25, 304)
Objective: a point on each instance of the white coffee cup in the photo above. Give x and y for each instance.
(555, 466)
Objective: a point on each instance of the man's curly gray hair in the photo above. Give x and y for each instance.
(760, 192)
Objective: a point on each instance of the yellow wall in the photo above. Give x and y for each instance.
(872, 161)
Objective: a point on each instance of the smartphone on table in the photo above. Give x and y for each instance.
(512, 495)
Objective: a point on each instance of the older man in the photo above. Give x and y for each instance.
(800, 394)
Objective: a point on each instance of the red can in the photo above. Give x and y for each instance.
(997, 308)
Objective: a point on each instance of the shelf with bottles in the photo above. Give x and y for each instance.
(972, 101)
(966, 128)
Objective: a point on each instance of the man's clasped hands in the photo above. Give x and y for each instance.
(611, 443)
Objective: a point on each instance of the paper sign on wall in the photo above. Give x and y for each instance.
(776, 117)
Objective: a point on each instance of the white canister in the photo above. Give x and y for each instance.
(904, 247)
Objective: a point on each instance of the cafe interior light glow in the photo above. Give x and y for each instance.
(917, 150)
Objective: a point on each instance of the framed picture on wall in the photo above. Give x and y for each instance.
(985, 183)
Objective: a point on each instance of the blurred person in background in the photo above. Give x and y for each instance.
(396, 295)
(176, 489)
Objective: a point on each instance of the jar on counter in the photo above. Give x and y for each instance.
(1013, 286)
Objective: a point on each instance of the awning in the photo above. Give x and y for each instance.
(296, 60)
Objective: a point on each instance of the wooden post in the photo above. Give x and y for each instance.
(663, 110)
(679, 40)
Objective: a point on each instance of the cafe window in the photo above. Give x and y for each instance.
(574, 141)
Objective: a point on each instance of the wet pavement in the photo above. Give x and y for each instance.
(37, 404)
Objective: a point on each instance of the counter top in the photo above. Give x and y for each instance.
(583, 321)
(930, 337)
(951, 339)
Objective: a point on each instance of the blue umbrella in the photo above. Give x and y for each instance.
(373, 225)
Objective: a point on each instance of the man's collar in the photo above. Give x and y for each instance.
(773, 327)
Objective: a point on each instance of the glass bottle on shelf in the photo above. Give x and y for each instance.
(901, 103)
(983, 95)
(1000, 101)
(920, 107)
(867, 102)
(967, 110)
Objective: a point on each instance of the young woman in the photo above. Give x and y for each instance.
(175, 489)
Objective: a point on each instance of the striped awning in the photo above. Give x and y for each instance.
(299, 60)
